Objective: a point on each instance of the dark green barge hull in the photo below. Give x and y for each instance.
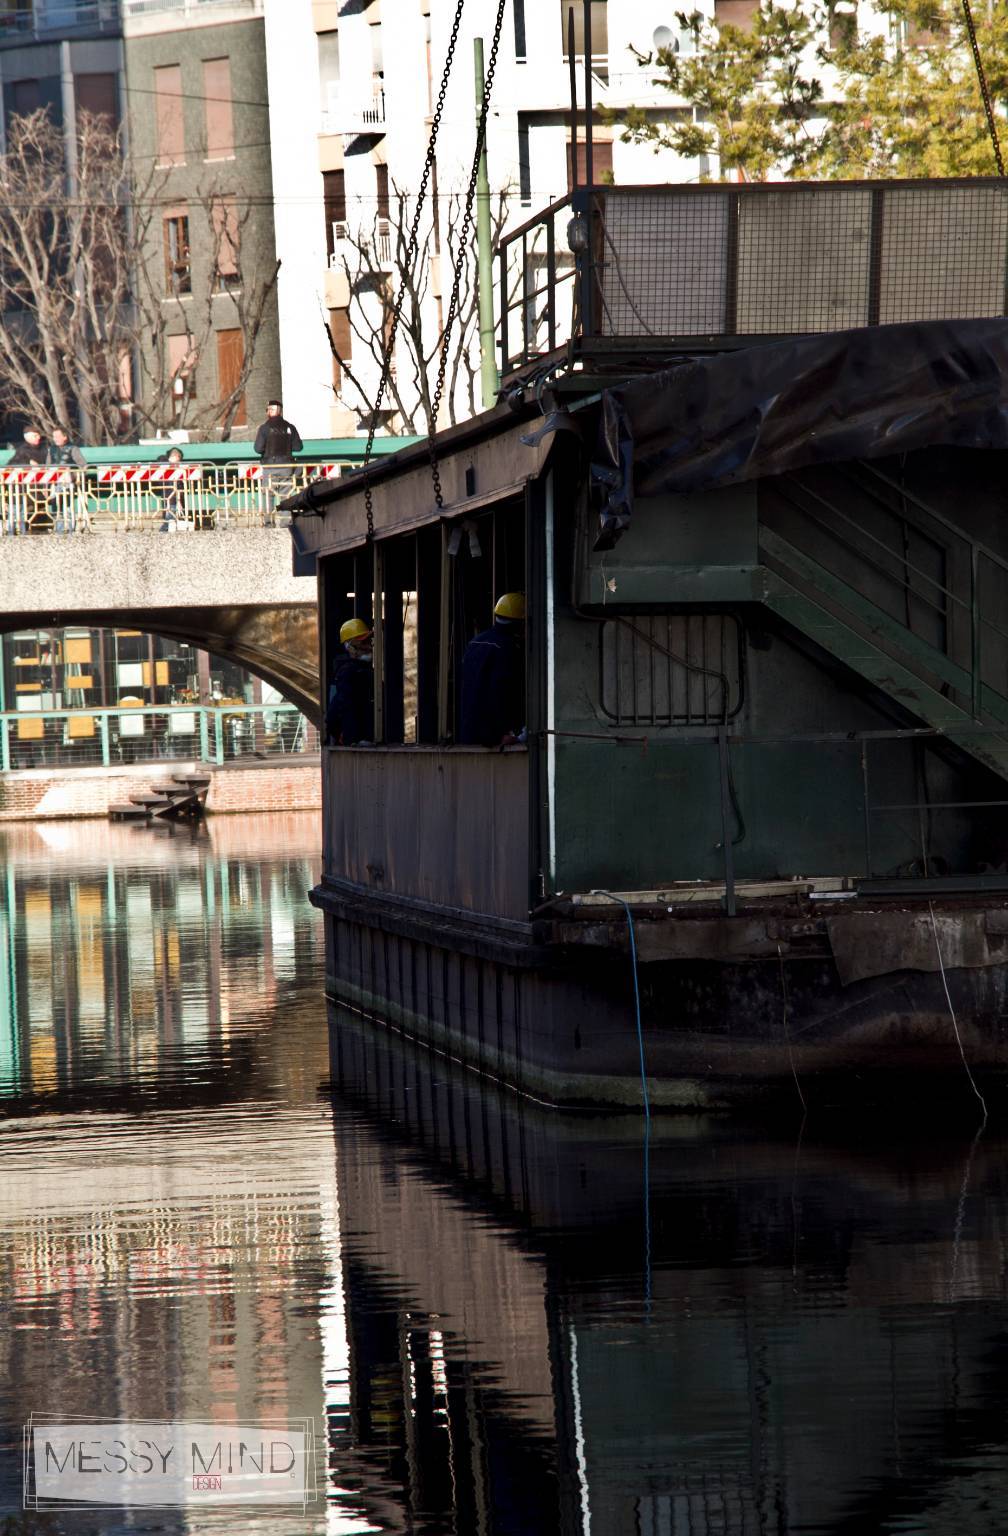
(552, 1013)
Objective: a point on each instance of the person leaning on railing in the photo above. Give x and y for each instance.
(172, 494)
(68, 508)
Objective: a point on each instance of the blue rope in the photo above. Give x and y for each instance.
(636, 992)
(644, 1088)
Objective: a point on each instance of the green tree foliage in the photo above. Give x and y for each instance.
(800, 94)
(915, 109)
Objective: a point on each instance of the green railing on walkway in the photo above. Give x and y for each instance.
(150, 734)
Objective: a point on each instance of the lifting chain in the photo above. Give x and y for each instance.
(984, 89)
(461, 255)
(409, 256)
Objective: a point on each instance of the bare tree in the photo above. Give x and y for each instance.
(378, 263)
(83, 279)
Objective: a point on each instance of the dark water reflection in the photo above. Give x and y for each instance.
(501, 1321)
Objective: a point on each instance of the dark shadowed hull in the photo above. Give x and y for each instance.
(558, 1022)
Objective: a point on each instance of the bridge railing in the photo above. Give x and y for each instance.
(168, 498)
(133, 733)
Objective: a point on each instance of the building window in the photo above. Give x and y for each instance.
(524, 165)
(329, 69)
(342, 341)
(182, 359)
(334, 187)
(230, 367)
(26, 97)
(99, 95)
(178, 272)
(735, 13)
(602, 165)
(217, 99)
(227, 243)
(519, 31)
(599, 26)
(382, 177)
(168, 112)
(842, 25)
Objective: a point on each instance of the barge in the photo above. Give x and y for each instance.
(756, 839)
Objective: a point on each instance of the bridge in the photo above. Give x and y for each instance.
(230, 590)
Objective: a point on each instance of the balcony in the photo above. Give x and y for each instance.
(58, 18)
(666, 268)
(189, 10)
(355, 114)
(366, 250)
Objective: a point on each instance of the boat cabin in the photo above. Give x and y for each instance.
(766, 689)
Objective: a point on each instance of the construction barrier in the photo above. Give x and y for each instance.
(156, 497)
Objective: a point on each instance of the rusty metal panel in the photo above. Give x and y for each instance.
(447, 827)
(664, 263)
(498, 465)
(803, 261)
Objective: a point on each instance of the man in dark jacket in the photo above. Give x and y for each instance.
(350, 715)
(493, 679)
(276, 443)
(28, 509)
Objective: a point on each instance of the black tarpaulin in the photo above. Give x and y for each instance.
(858, 394)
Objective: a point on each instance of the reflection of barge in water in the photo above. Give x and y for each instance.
(766, 691)
(596, 1327)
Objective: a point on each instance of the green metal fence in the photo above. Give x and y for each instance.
(140, 734)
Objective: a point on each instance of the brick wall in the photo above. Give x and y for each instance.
(50, 794)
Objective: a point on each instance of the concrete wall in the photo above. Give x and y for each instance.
(224, 567)
(56, 794)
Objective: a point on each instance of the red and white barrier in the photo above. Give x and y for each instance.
(143, 474)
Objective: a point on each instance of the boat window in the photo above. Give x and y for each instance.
(671, 669)
(425, 595)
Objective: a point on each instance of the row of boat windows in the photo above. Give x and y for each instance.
(428, 593)
(425, 594)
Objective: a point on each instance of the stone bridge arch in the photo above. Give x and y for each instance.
(230, 591)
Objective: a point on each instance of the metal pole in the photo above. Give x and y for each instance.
(976, 659)
(444, 634)
(867, 809)
(489, 377)
(378, 642)
(589, 137)
(572, 62)
(726, 836)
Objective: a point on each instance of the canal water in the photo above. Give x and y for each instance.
(497, 1320)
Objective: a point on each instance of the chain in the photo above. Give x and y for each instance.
(984, 89)
(461, 256)
(408, 257)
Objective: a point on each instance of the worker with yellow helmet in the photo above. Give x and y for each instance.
(492, 712)
(350, 715)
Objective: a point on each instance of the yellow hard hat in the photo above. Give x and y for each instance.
(354, 629)
(510, 606)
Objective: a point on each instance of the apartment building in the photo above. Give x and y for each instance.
(199, 137)
(353, 166)
(65, 55)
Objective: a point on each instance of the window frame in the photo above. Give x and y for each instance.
(178, 267)
(169, 116)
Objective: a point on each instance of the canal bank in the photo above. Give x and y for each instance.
(242, 788)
